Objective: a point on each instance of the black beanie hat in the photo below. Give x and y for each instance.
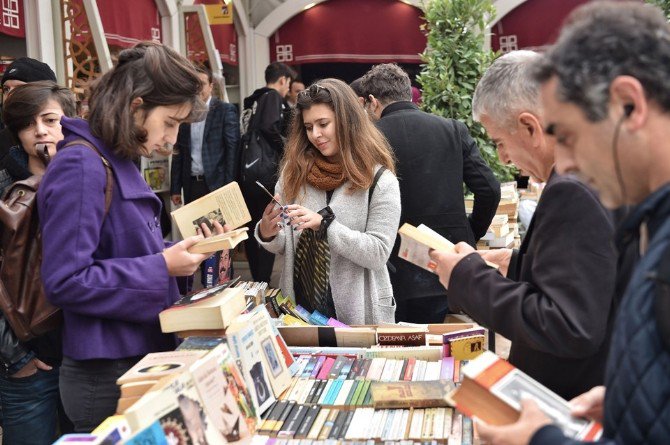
(28, 70)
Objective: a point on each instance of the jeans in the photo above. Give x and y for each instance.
(88, 389)
(30, 408)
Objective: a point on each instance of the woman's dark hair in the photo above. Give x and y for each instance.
(155, 73)
(25, 102)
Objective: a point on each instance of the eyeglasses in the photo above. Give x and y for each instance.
(313, 90)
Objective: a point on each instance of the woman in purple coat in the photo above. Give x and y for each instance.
(110, 271)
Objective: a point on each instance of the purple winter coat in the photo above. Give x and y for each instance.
(106, 273)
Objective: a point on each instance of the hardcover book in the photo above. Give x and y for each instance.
(405, 394)
(492, 390)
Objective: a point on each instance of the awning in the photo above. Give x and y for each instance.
(532, 24)
(370, 31)
(12, 22)
(225, 37)
(127, 22)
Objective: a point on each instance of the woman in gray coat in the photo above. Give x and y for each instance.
(336, 234)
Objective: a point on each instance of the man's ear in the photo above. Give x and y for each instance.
(529, 124)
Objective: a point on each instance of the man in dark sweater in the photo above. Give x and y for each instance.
(553, 297)
(265, 115)
(435, 157)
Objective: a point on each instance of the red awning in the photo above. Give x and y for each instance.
(12, 22)
(127, 22)
(372, 31)
(532, 24)
(225, 37)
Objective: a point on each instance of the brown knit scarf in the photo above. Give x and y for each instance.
(326, 175)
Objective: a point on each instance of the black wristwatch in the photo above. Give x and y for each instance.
(327, 216)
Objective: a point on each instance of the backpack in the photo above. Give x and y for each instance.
(22, 297)
(259, 161)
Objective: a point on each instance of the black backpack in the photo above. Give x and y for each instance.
(259, 161)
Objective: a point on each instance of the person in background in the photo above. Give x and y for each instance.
(114, 273)
(19, 72)
(607, 101)
(206, 155)
(29, 385)
(554, 297)
(267, 115)
(296, 87)
(333, 155)
(436, 156)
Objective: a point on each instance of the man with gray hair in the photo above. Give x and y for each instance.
(606, 93)
(435, 157)
(553, 297)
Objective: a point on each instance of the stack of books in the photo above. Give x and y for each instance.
(504, 229)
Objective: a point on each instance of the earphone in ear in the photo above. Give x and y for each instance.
(628, 109)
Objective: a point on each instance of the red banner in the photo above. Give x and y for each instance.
(127, 22)
(532, 24)
(373, 31)
(12, 22)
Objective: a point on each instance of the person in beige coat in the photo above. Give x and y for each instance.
(333, 157)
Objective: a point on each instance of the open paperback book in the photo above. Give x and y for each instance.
(492, 390)
(417, 242)
(225, 205)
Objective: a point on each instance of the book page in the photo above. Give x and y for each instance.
(225, 205)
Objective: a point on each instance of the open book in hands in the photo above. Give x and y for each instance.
(225, 205)
(417, 242)
(224, 241)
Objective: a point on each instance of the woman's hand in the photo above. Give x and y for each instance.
(218, 228)
(271, 222)
(31, 368)
(180, 262)
(301, 218)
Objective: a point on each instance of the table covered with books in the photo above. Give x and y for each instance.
(256, 368)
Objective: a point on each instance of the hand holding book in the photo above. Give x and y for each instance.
(531, 419)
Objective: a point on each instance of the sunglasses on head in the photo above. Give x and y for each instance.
(313, 90)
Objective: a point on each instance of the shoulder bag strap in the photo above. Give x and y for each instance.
(108, 169)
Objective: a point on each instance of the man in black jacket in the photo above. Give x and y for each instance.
(435, 157)
(553, 298)
(266, 114)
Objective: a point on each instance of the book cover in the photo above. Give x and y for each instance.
(218, 399)
(247, 352)
(157, 365)
(492, 390)
(208, 309)
(151, 435)
(467, 348)
(411, 394)
(200, 343)
(225, 205)
(273, 358)
(401, 336)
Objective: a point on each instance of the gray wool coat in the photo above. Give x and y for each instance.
(359, 279)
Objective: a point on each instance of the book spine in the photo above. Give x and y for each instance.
(336, 323)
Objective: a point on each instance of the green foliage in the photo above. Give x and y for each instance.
(663, 4)
(454, 61)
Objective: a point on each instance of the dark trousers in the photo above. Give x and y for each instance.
(422, 310)
(260, 260)
(88, 389)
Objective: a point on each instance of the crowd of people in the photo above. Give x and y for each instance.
(585, 300)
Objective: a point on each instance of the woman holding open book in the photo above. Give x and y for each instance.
(106, 264)
(339, 211)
